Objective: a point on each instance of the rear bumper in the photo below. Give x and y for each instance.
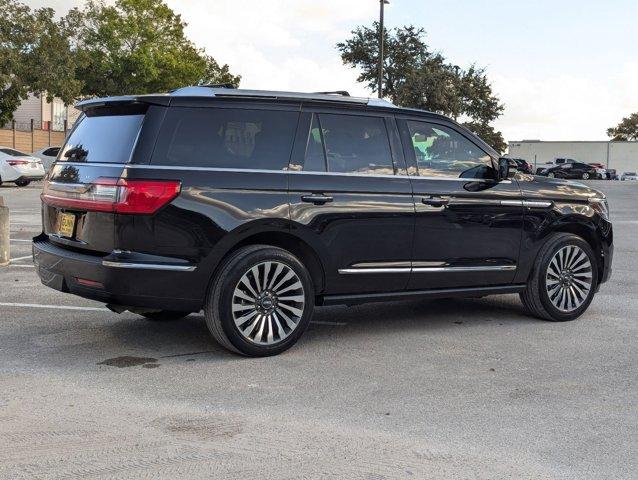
(118, 278)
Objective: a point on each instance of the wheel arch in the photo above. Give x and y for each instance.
(583, 228)
(287, 241)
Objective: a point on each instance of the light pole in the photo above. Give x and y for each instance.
(382, 4)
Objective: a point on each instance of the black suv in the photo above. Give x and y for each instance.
(258, 206)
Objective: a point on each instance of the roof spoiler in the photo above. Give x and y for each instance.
(91, 103)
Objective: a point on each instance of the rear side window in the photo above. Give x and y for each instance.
(103, 137)
(226, 138)
(13, 153)
(350, 143)
(51, 152)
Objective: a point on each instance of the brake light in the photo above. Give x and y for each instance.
(113, 195)
(13, 163)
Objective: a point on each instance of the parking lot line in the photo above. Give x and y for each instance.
(20, 240)
(100, 309)
(20, 266)
(57, 307)
(21, 258)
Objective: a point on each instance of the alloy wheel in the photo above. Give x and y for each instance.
(268, 303)
(569, 278)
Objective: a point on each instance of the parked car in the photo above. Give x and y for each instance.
(571, 170)
(600, 170)
(629, 176)
(47, 155)
(19, 168)
(520, 165)
(259, 206)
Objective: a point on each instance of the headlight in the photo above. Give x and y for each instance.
(601, 206)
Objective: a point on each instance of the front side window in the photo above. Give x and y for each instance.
(226, 138)
(443, 152)
(348, 144)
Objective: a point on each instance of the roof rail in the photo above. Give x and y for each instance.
(219, 85)
(343, 93)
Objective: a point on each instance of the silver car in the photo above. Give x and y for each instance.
(48, 156)
(629, 176)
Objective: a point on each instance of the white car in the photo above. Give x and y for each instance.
(48, 156)
(629, 176)
(20, 168)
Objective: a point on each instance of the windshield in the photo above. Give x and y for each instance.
(102, 139)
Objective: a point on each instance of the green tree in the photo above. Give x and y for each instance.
(415, 76)
(626, 130)
(35, 56)
(138, 46)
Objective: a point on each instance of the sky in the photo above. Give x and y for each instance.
(565, 69)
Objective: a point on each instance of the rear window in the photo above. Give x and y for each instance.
(13, 153)
(226, 138)
(103, 138)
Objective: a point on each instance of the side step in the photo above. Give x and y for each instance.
(417, 294)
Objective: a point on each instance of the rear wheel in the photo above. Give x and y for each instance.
(165, 315)
(260, 301)
(22, 183)
(564, 279)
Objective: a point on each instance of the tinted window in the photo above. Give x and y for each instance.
(443, 152)
(226, 138)
(352, 144)
(103, 139)
(51, 152)
(13, 153)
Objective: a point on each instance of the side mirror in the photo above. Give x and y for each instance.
(503, 168)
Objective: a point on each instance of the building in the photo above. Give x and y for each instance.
(621, 156)
(45, 115)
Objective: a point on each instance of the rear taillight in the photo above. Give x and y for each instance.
(14, 163)
(112, 195)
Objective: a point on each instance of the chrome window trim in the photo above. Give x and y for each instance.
(149, 266)
(257, 170)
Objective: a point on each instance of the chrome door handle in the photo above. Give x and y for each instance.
(317, 199)
(435, 201)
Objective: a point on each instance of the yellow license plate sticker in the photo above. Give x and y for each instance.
(67, 224)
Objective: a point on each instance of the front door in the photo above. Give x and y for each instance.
(351, 200)
(468, 224)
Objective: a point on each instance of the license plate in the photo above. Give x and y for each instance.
(66, 222)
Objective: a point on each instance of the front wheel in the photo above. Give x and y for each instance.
(22, 183)
(551, 175)
(260, 301)
(586, 176)
(564, 279)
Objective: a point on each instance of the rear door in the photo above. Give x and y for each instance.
(468, 225)
(351, 199)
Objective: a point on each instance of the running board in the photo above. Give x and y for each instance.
(418, 294)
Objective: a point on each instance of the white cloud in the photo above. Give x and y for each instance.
(566, 107)
(279, 44)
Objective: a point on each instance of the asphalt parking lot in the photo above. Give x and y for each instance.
(443, 389)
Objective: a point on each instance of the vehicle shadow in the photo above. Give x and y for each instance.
(190, 338)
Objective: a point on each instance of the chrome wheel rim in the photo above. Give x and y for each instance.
(569, 278)
(268, 303)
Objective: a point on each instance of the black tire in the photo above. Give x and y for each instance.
(586, 176)
(535, 298)
(220, 295)
(22, 183)
(164, 315)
